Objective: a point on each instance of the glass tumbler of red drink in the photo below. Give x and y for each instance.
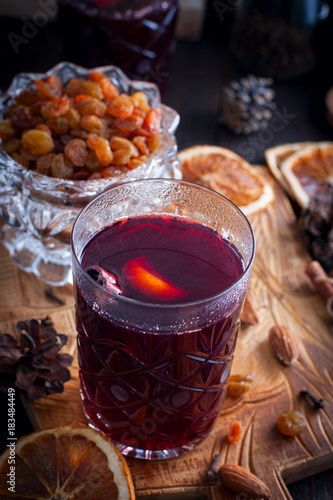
(160, 270)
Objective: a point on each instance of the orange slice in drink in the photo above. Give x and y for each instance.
(142, 277)
(227, 173)
(309, 171)
(67, 463)
(276, 155)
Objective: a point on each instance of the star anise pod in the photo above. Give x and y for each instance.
(31, 360)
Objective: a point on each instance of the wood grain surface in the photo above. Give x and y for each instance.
(282, 294)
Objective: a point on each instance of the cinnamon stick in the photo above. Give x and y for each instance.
(320, 280)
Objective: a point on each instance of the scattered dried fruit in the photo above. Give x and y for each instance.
(290, 423)
(239, 385)
(284, 344)
(241, 481)
(234, 432)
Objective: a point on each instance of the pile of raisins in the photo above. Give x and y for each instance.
(83, 130)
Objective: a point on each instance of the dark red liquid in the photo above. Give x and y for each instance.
(153, 388)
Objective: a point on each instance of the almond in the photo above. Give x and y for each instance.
(242, 481)
(284, 344)
(249, 314)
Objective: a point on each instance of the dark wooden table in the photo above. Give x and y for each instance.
(199, 71)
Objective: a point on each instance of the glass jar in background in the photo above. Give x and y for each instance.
(135, 35)
(277, 39)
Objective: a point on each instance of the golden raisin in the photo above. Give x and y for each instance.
(7, 129)
(121, 157)
(44, 164)
(102, 149)
(92, 163)
(154, 142)
(141, 143)
(27, 154)
(60, 168)
(38, 142)
(239, 385)
(108, 172)
(11, 145)
(95, 76)
(82, 174)
(74, 118)
(143, 158)
(22, 118)
(49, 88)
(58, 124)
(134, 163)
(91, 106)
(92, 123)
(19, 158)
(81, 134)
(95, 176)
(109, 90)
(93, 89)
(42, 126)
(140, 100)
(57, 107)
(129, 124)
(77, 86)
(234, 432)
(117, 142)
(76, 151)
(27, 97)
(152, 121)
(121, 106)
(290, 423)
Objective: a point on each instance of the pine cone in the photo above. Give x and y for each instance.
(317, 226)
(31, 362)
(247, 105)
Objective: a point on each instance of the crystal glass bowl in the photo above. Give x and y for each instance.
(38, 211)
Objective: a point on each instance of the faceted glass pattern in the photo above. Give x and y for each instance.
(154, 376)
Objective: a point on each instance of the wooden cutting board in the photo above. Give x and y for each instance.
(282, 294)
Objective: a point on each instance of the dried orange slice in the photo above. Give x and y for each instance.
(276, 155)
(67, 463)
(142, 277)
(309, 171)
(227, 173)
